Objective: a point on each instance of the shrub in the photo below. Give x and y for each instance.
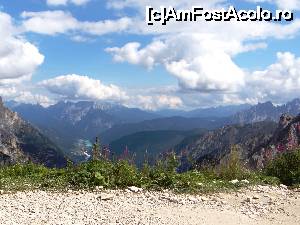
(125, 174)
(233, 168)
(286, 167)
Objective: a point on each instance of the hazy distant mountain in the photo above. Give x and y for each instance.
(21, 142)
(220, 111)
(169, 123)
(266, 112)
(150, 144)
(66, 122)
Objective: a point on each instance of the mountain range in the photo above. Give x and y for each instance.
(70, 123)
(266, 112)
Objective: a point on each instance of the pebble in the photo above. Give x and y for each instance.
(203, 198)
(283, 186)
(234, 181)
(134, 189)
(255, 197)
(245, 181)
(105, 197)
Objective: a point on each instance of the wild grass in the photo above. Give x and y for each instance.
(121, 174)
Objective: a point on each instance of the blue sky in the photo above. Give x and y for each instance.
(104, 51)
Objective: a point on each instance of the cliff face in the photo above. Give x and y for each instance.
(285, 138)
(20, 142)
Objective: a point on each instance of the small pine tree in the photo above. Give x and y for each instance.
(96, 153)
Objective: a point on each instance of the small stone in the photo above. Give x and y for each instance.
(173, 200)
(283, 186)
(245, 181)
(105, 197)
(193, 199)
(248, 199)
(234, 181)
(204, 199)
(134, 189)
(255, 197)
(98, 188)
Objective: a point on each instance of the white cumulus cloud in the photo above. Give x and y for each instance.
(198, 63)
(18, 57)
(155, 102)
(61, 22)
(21, 95)
(82, 87)
(279, 81)
(201, 55)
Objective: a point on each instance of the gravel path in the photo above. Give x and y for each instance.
(258, 205)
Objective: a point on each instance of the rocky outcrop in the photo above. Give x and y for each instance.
(285, 138)
(20, 142)
(214, 147)
(258, 143)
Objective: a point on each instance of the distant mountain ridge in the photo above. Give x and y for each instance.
(169, 123)
(21, 142)
(66, 122)
(266, 112)
(217, 112)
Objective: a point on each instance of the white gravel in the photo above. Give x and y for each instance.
(258, 205)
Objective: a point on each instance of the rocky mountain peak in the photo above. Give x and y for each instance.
(285, 138)
(285, 120)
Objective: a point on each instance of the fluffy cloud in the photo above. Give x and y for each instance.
(65, 2)
(278, 81)
(201, 54)
(17, 93)
(49, 22)
(82, 87)
(18, 57)
(198, 63)
(77, 87)
(60, 22)
(155, 102)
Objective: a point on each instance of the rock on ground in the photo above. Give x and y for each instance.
(257, 205)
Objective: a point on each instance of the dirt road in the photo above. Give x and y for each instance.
(256, 205)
